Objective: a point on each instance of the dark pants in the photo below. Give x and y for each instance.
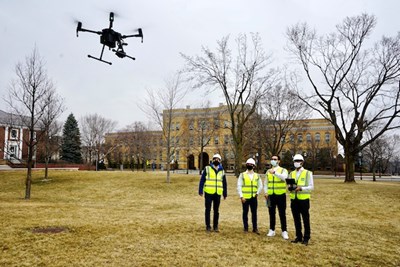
(209, 200)
(280, 202)
(252, 204)
(300, 210)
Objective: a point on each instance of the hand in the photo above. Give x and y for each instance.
(266, 196)
(243, 199)
(271, 171)
(298, 189)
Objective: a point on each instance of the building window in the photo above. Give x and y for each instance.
(299, 138)
(317, 137)
(216, 123)
(327, 137)
(308, 137)
(14, 134)
(226, 124)
(177, 126)
(226, 139)
(216, 140)
(191, 125)
(191, 141)
(292, 138)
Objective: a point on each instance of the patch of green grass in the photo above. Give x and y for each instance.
(137, 219)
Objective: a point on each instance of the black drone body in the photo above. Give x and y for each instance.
(111, 39)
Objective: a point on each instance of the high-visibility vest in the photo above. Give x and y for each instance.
(275, 185)
(250, 187)
(213, 182)
(302, 180)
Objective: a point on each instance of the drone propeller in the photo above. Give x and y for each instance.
(78, 28)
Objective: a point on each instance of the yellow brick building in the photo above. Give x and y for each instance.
(198, 133)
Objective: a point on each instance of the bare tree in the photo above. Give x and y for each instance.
(355, 93)
(27, 99)
(94, 129)
(159, 106)
(380, 152)
(54, 107)
(281, 113)
(243, 80)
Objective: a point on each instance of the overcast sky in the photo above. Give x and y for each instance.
(169, 26)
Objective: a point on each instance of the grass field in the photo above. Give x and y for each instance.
(136, 219)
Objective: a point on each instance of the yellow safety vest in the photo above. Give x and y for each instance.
(250, 187)
(275, 185)
(301, 181)
(213, 182)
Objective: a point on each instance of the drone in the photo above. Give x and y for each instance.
(111, 39)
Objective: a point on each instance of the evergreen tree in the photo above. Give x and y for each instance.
(71, 141)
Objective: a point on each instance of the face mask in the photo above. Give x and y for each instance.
(216, 162)
(249, 167)
(297, 165)
(274, 163)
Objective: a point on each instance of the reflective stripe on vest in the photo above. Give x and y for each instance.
(275, 185)
(213, 182)
(249, 187)
(301, 181)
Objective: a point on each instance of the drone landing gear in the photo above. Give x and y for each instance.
(101, 56)
(99, 59)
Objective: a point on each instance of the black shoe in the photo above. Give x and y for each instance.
(297, 240)
(208, 229)
(245, 231)
(256, 231)
(305, 242)
(216, 229)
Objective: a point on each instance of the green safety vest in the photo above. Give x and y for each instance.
(213, 182)
(301, 181)
(275, 185)
(250, 187)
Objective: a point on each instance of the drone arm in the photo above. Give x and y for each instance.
(85, 30)
(140, 34)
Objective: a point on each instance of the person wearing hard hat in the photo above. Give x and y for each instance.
(213, 185)
(275, 195)
(300, 199)
(249, 186)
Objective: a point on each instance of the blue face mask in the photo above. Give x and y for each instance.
(274, 163)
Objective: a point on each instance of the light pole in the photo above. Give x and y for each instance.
(334, 162)
(360, 163)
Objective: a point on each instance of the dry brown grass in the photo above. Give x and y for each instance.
(136, 219)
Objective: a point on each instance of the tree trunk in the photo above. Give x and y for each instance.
(349, 159)
(28, 182)
(46, 168)
(238, 159)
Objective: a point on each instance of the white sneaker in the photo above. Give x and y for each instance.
(271, 232)
(285, 235)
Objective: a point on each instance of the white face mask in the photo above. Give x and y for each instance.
(274, 163)
(297, 165)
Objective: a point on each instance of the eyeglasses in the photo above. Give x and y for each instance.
(274, 159)
(298, 160)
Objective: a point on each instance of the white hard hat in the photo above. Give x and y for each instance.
(298, 157)
(217, 156)
(251, 161)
